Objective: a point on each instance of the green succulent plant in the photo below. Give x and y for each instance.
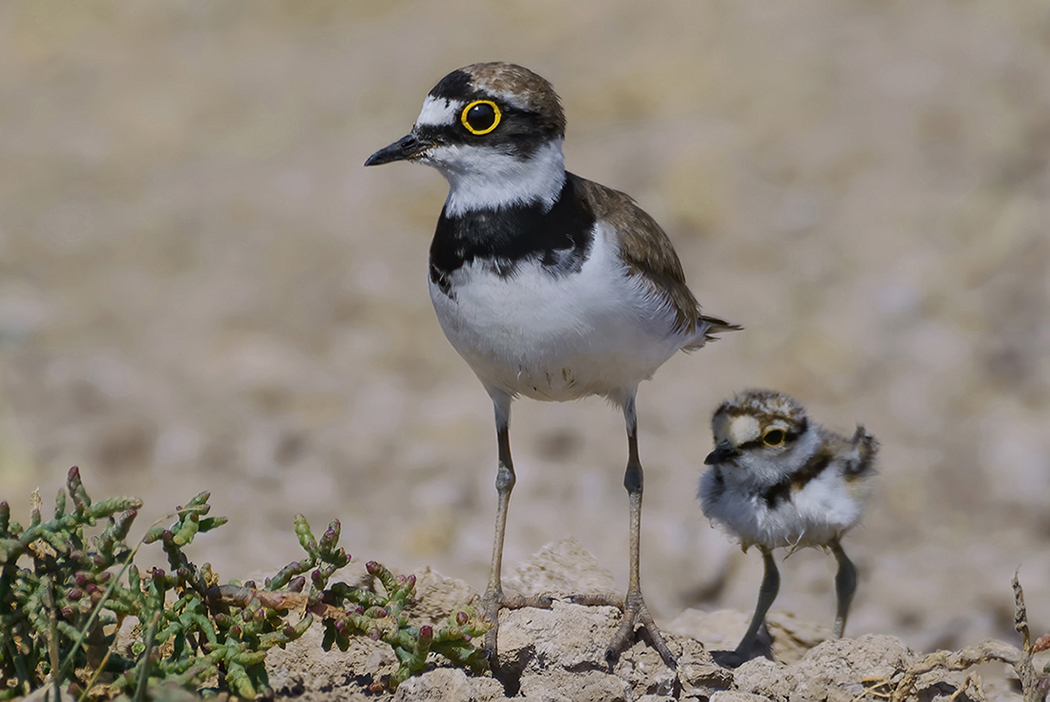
(66, 594)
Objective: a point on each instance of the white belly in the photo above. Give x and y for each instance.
(595, 332)
(822, 510)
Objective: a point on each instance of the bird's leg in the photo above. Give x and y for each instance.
(493, 599)
(634, 609)
(766, 594)
(845, 586)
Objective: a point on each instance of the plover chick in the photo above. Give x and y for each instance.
(549, 285)
(779, 480)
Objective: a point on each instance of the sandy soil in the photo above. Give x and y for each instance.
(201, 287)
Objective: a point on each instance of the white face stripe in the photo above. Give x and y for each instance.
(511, 99)
(439, 111)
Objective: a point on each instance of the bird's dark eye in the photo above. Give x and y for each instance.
(480, 117)
(773, 437)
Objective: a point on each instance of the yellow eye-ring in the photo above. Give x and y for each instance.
(480, 117)
(773, 437)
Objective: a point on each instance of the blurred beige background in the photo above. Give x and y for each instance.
(202, 288)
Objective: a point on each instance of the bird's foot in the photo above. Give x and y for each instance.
(758, 645)
(491, 603)
(730, 659)
(634, 613)
(598, 600)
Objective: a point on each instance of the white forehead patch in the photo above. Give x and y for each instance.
(742, 429)
(439, 111)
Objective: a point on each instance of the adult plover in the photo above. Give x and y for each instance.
(778, 479)
(549, 285)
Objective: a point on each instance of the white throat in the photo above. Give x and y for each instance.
(485, 178)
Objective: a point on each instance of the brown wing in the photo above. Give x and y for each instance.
(644, 247)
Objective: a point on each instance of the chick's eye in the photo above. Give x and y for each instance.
(773, 437)
(480, 117)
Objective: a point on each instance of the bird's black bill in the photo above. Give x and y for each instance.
(404, 148)
(722, 453)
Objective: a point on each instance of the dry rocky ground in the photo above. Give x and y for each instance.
(557, 655)
(202, 289)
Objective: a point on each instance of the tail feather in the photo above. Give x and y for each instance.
(707, 328)
(861, 459)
